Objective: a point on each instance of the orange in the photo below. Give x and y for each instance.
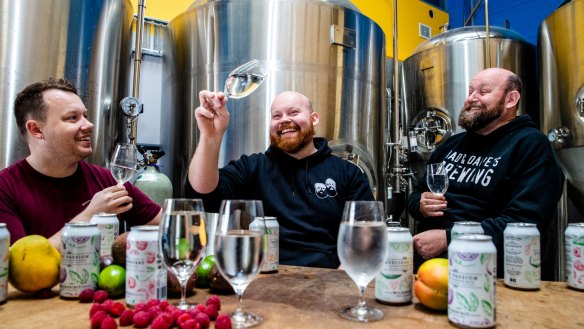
(431, 287)
(34, 264)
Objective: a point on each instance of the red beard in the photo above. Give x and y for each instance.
(294, 144)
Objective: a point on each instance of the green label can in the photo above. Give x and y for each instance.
(393, 284)
(80, 244)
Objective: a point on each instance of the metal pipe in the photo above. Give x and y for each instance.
(133, 121)
(472, 12)
(396, 112)
(487, 37)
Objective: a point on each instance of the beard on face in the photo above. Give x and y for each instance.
(477, 121)
(292, 144)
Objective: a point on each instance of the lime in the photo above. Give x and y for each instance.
(113, 280)
(203, 271)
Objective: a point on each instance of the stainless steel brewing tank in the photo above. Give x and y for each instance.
(85, 41)
(326, 50)
(436, 78)
(561, 54)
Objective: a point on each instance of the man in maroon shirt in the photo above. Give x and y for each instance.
(53, 185)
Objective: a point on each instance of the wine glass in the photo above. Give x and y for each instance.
(124, 162)
(362, 248)
(246, 78)
(239, 251)
(437, 178)
(182, 240)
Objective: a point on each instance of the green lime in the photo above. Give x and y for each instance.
(113, 280)
(203, 271)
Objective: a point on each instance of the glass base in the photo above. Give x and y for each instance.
(361, 314)
(184, 306)
(244, 319)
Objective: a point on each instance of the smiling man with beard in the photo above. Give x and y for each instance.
(53, 185)
(284, 177)
(501, 170)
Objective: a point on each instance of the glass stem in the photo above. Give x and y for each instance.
(183, 293)
(239, 302)
(361, 304)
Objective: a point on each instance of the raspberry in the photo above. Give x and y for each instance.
(141, 319)
(109, 323)
(97, 318)
(175, 313)
(115, 309)
(160, 323)
(100, 296)
(190, 324)
(126, 318)
(203, 320)
(153, 312)
(193, 312)
(211, 311)
(201, 307)
(152, 302)
(86, 296)
(223, 322)
(140, 307)
(94, 308)
(163, 305)
(183, 318)
(214, 299)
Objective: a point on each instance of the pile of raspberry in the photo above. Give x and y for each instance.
(154, 313)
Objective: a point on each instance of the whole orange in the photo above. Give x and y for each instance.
(431, 287)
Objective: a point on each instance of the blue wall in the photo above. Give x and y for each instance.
(522, 16)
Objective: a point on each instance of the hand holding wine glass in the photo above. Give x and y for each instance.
(245, 79)
(183, 239)
(124, 162)
(437, 178)
(239, 252)
(362, 247)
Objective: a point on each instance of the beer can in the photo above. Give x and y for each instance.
(522, 256)
(393, 284)
(80, 244)
(271, 242)
(472, 278)
(108, 225)
(146, 278)
(466, 228)
(4, 254)
(574, 258)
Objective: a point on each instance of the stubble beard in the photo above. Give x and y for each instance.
(295, 144)
(477, 121)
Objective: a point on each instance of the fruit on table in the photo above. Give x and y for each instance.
(119, 249)
(431, 287)
(34, 264)
(174, 286)
(203, 271)
(113, 280)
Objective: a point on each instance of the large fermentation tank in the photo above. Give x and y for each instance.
(326, 50)
(436, 78)
(85, 41)
(561, 53)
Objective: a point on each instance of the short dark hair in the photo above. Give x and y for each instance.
(513, 83)
(29, 103)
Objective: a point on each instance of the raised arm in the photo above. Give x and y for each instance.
(212, 119)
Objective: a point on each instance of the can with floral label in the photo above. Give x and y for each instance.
(109, 228)
(146, 277)
(574, 255)
(393, 284)
(472, 278)
(80, 244)
(271, 242)
(522, 256)
(4, 249)
(466, 228)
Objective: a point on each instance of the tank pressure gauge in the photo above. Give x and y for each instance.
(131, 106)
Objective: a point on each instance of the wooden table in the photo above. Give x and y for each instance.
(300, 297)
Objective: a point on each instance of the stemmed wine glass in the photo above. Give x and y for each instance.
(437, 178)
(244, 79)
(362, 248)
(182, 240)
(239, 251)
(124, 162)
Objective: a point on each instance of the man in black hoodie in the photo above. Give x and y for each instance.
(501, 170)
(298, 179)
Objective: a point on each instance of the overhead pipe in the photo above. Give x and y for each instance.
(487, 30)
(133, 116)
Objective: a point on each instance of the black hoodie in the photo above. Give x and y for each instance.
(307, 196)
(509, 175)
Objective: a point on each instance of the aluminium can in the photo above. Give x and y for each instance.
(4, 255)
(271, 242)
(472, 278)
(466, 228)
(574, 255)
(393, 284)
(80, 244)
(146, 277)
(521, 252)
(109, 226)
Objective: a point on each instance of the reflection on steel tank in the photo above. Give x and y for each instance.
(326, 50)
(436, 78)
(561, 53)
(85, 41)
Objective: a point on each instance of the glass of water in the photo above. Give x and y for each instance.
(244, 79)
(437, 178)
(124, 162)
(362, 248)
(239, 252)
